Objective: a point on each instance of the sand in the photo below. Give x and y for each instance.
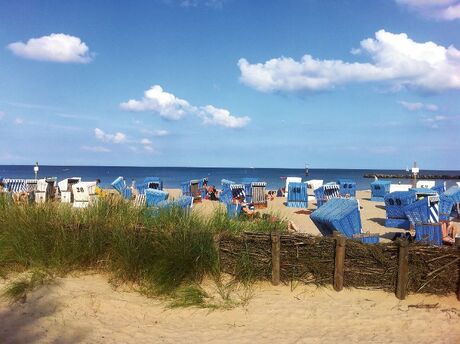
(87, 309)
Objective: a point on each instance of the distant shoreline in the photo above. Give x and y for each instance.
(408, 176)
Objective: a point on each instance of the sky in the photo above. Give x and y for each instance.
(231, 83)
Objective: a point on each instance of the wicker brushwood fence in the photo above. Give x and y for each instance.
(399, 267)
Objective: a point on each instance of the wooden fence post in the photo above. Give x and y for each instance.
(403, 270)
(340, 242)
(276, 245)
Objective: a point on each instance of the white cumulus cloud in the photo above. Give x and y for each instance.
(57, 47)
(171, 107)
(418, 106)
(146, 142)
(109, 138)
(437, 9)
(396, 59)
(96, 149)
(167, 105)
(222, 117)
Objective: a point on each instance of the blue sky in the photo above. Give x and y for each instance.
(346, 84)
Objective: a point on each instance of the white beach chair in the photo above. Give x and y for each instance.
(425, 184)
(84, 194)
(291, 180)
(65, 188)
(400, 187)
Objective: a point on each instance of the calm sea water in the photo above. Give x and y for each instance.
(173, 176)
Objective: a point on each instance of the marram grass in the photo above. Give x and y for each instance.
(162, 253)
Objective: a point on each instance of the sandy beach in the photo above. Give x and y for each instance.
(86, 308)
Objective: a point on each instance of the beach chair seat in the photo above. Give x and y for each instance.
(153, 183)
(119, 184)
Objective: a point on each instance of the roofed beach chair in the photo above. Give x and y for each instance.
(291, 180)
(119, 184)
(247, 183)
(153, 197)
(45, 189)
(226, 194)
(84, 194)
(379, 189)
(184, 202)
(425, 184)
(454, 193)
(400, 187)
(439, 187)
(326, 192)
(65, 188)
(258, 194)
(395, 202)
(297, 195)
(347, 186)
(192, 188)
(424, 215)
(343, 216)
(15, 185)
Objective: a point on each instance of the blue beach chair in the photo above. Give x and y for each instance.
(395, 202)
(342, 215)
(347, 186)
(153, 197)
(379, 189)
(297, 195)
(326, 192)
(119, 184)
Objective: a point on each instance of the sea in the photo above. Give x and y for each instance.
(173, 176)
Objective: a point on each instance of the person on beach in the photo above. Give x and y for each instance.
(212, 193)
(2, 186)
(448, 232)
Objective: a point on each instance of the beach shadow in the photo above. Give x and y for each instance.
(366, 199)
(380, 206)
(378, 220)
(392, 235)
(20, 322)
(303, 212)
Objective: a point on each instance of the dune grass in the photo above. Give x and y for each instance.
(162, 253)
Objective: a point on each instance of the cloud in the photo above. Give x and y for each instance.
(167, 105)
(396, 59)
(438, 9)
(2, 114)
(57, 47)
(435, 121)
(149, 148)
(215, 116)
(19, 121)
(418, 106)
(96, 149)
(161, 133)
(109, 138)
(171, 107)
(217, 4)
(146, 142)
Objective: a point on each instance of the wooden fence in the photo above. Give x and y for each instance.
(399, 267)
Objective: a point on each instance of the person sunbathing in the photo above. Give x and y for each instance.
(448, 232)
